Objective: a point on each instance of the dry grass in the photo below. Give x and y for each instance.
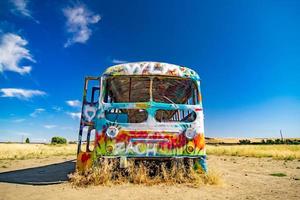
(28, 151)
(145, 173)
(237, 140)
(281, 152)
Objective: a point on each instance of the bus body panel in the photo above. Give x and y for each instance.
(166, 126)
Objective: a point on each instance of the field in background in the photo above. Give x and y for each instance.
(28, 151)
(231, 141)
(282, 152)
(242, 177)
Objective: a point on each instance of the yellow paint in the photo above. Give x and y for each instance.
(142, 105)
(83, 166)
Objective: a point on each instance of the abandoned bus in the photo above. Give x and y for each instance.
(143, 110)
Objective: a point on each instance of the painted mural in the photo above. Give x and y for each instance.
(144, 110)
(151, 68)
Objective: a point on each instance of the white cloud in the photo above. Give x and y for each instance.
(116, 61)
(37, 111)
(20, 93)
(74, 103)
(79, 19)
(21, 7)
(75, 115)
(18, 120)
(57, 108)
(49, 126)
(12, 51)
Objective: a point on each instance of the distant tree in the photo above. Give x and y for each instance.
(58, 140)
(296, 142)
(269, 141)
(290, 141)
(244, 141)
(263, 141)
(278, 141)
(27, 140)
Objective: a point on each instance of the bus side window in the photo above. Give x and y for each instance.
(92, 140)
(85, 131)
(95, 94)
(92, 91)
(88, 137)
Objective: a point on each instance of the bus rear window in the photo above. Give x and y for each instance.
(130, 89)
(175, 91)
(127, 89)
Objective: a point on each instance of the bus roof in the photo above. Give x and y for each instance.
(151, 68)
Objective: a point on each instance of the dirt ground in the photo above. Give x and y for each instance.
(243, 178)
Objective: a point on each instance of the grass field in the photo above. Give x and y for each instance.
(27, 151)
(281, 152)
(229, 176)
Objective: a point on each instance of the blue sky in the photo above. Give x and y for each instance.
(246, 52)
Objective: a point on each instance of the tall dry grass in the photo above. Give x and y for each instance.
(281, 152)
(28, 151)
(145, 173)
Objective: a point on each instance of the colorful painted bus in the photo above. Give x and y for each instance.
(142, 110)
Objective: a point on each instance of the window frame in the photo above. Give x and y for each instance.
(195, 95)
(106, 96)
(177, 113)
(119, 110)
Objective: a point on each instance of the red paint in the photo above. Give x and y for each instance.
(175, 141)
(85, 157)
(98, 137)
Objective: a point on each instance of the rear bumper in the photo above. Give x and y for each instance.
(86, 160)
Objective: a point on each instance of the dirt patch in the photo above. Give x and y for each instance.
(244, 178)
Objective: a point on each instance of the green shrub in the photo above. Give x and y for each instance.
(27, 140)
(58, 140)
(278, 174)
(278, 141)
(269, 141)
(289, 141)
(244, 141)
